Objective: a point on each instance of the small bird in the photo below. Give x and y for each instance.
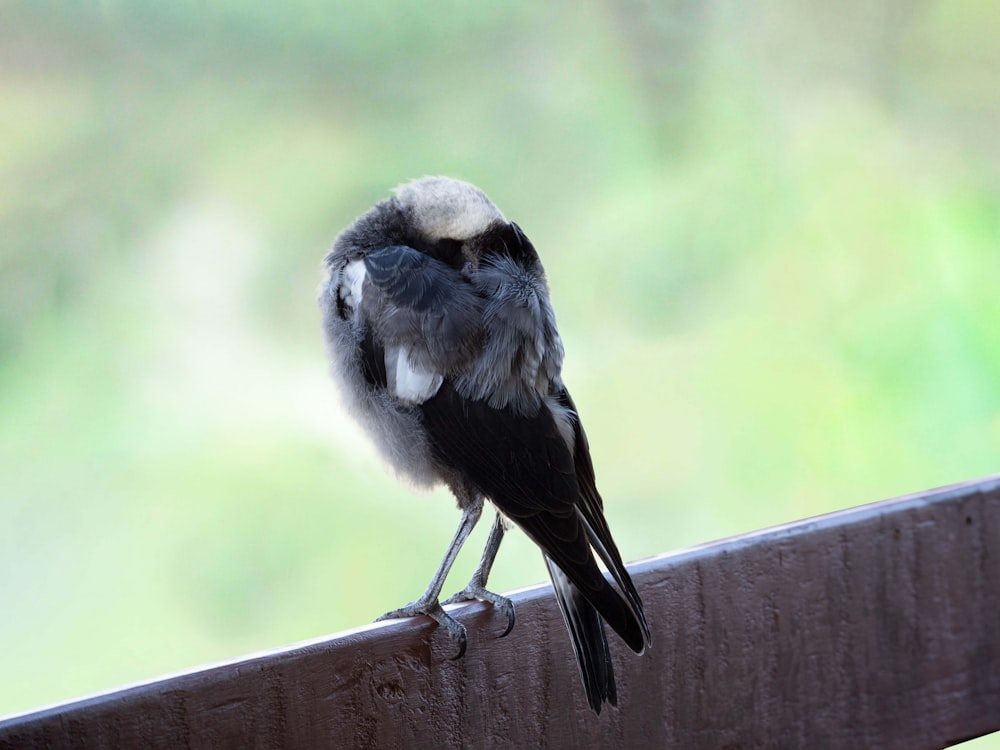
(443, 341)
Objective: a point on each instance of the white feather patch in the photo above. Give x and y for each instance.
(407, 382)
(353, 278)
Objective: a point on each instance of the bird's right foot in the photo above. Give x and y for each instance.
(432, 608)
(475, 591)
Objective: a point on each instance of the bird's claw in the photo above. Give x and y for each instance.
(432, 609)
(476, 592)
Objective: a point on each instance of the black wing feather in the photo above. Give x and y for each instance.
(409, 278)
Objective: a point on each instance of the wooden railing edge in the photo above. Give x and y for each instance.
(874, 626)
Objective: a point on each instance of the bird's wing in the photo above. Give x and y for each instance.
(408, 277)
(421, 317)
(591, 507)
(524, 465)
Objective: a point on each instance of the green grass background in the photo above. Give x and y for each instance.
(772, 233)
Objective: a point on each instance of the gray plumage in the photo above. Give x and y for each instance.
(444, 343)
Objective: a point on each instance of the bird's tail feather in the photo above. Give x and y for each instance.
(590, 643)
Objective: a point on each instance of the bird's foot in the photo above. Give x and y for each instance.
(477, 592)
(432, 609)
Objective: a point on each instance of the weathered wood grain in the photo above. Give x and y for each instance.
(876, 627)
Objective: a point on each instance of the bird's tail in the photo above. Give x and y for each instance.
(590, 644)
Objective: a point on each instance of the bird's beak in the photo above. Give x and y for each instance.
(471, 264)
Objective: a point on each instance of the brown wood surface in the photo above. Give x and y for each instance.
(874, 627)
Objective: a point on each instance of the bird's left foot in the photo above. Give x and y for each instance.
(477, 592)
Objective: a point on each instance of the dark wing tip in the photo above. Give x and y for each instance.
(627, 621)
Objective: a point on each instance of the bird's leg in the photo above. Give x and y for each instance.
(476, 590)
(428, 604)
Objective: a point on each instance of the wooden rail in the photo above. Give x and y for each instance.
(876, 627)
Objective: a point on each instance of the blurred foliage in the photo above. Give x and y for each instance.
(772, 233)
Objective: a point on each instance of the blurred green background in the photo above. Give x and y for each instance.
(773, 238)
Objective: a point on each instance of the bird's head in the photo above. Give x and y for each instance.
(457, 223)
(442, 208)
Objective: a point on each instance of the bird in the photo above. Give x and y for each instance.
(443, 340)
